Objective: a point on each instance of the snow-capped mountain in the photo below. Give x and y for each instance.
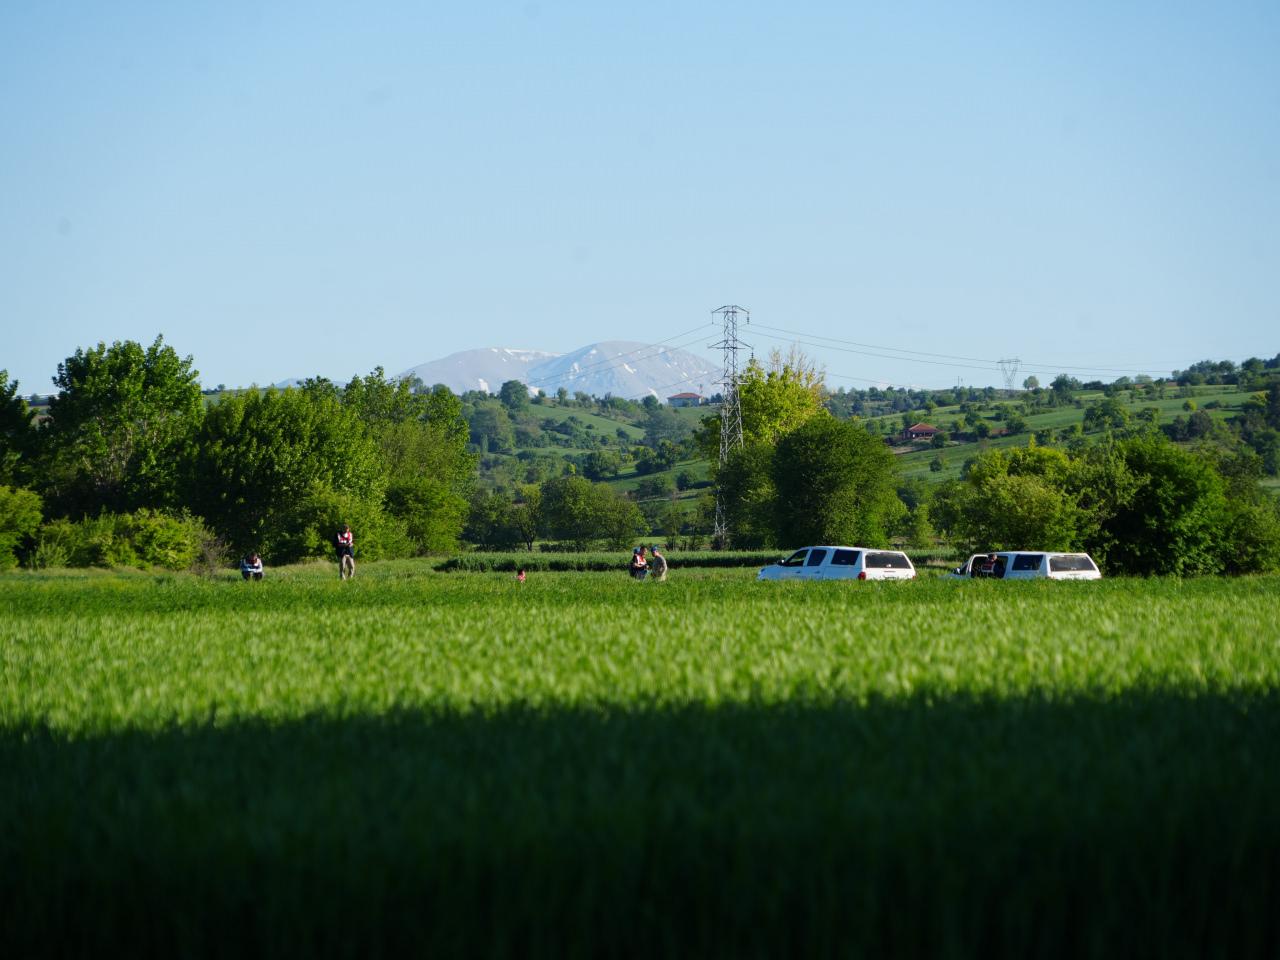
(485, 370)
(623, 368)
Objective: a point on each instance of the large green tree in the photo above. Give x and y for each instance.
(775, 399)
(1175, 516)
(748, 495)
(122, 419)
(422, 438)
(835, 483)
(280, 471)
(577, 511)
(17, 436)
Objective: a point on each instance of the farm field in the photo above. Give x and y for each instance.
(583, 764)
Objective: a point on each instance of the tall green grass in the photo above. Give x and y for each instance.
(582, 764)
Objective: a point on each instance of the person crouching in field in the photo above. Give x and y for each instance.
(659, 569)
(251, 567)
(638, 565)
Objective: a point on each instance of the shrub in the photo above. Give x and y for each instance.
(19, 519)
(144, 539)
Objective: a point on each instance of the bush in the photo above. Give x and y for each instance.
(19, 519)
(321, 514)
(143, 539)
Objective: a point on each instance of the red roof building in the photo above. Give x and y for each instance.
(685, 400)
(921, 431)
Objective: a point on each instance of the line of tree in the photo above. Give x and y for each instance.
(129, 435)
(1139, 505)
(133, 464)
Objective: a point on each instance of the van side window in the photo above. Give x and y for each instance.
(1071, 563)
(1028, 561)
(895, 561)
(816, 557)
(845, 558)
(796, 559)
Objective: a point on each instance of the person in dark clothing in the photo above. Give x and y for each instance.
(251, 567)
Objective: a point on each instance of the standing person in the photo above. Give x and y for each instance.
(520, 574)
(346, 546)
(251, 567)
(659, 570)
(638, 565)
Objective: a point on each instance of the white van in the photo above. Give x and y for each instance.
(840, 563)
(1028, 565)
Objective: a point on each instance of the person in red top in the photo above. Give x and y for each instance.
(345, 544)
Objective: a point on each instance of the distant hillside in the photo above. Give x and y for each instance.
(622, 368)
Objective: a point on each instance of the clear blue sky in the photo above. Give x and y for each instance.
(288, 189)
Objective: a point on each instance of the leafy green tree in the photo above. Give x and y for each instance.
(489, 521)
(1031, 383)
(1064, 386)
(774, 401)
(569, 511)
(1006, 512)
(526, 515)
(121, 423)
(599, 464)
(577, 511)
(20, 515)
(1107, 414)
(514, 395)
(835, 484)
(491, 429)
(17, 436)
(279, 472)
(663, 457)
(618, 519)
(1171, 521)
(422, 438)
(1250, 537)
(749, 495)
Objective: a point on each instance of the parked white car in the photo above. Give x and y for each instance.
(840, 563)
(1028, 565)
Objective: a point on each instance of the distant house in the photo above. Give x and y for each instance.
(685, 400)
(921, 431)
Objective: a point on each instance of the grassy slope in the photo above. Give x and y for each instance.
(586, 765)
(915, 464)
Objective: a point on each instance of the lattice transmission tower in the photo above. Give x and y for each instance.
(1009, 370)
(730, 406)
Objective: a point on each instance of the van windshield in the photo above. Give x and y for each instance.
(1069, 563)
(795, 560)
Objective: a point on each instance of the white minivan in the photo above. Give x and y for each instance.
(1028, 565)
(840, 563)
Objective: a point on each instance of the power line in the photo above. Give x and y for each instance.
(988, 364)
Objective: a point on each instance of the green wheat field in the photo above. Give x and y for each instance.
(582, 765)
